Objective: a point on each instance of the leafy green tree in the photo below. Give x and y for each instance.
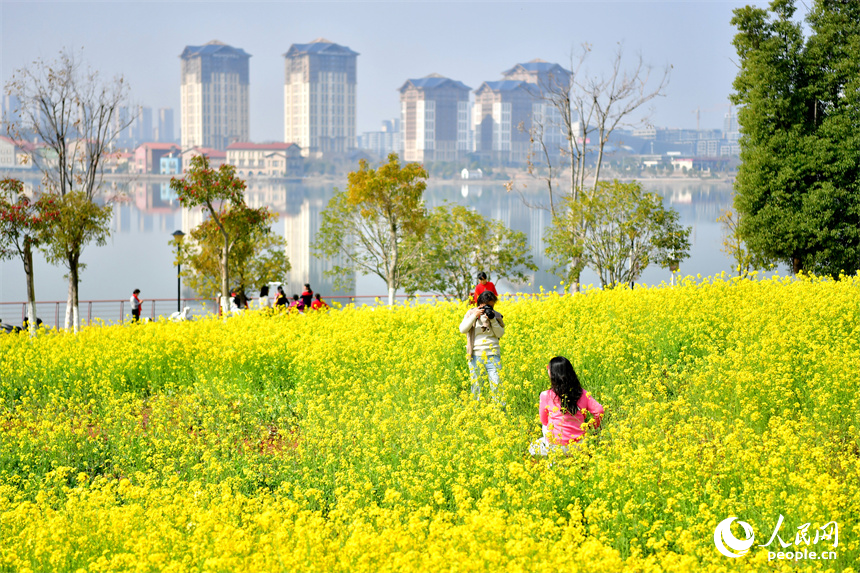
(797, 185)
(257, 256)
(617, 231)
(23, 226)
(79, 221)
(75, 115)
(735, 246)
(460, 242)
(367, 226)
(221, 195)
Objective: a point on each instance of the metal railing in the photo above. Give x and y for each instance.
(112, 310)
(119, 310)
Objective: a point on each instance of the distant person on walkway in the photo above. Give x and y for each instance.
(26, 324)
(483, 285)
(318, 303)
(263, 301)
(307, 296)
(136, 304)
(297, 304)
(562, 409)
(281, 299)
(239, 301)
(483, 328)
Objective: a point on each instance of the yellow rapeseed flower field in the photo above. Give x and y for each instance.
(348, 440)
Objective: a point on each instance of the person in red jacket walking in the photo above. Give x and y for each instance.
(136, 305)
(307, 296)
(483, 285)
(318, 303)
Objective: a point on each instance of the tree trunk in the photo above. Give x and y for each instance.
(31, 291)
(796, 265)
(632, 266)
(571, 150)
(600, 145)
(72, 301)
(392, 269)
(576, 274)
(225, 277)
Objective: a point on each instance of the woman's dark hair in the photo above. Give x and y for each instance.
(264, 290)
(486, 297)
(482, 276)
(281, 290)
(135, 291)
(565, 383)
(317, 296)
(295, 297)
(308, 286)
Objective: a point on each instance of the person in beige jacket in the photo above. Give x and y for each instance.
(483, 328)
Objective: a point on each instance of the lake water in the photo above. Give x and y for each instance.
(138, 252)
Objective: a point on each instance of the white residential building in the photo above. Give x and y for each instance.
(319, 97)
(214, 96)
(434, 119)
(265, 159)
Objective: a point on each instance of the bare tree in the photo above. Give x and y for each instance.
(75, 116)
(617, 96)
(587, 105)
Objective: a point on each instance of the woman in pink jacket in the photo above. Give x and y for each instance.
(562, 409)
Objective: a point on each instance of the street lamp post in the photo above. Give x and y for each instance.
(177, 236)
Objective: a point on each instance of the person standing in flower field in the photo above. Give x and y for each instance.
(136, 304)
(562, 409)
(307, 296)
(297, 304)
(263, 299)
(281, 299)
(483, 328)
(318, 303)
(483, 285)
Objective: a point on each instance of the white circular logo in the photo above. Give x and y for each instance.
(723, 537)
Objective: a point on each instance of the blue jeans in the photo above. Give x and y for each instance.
(491, 365)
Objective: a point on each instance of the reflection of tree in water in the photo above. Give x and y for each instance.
(301, 220)
(299, 205)
(701, 206)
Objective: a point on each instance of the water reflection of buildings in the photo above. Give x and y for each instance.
(301, 225)
(152, 208)
(299, 209)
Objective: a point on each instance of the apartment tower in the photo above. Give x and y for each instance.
(214, 96)
(502, 119)
(434, 119)
(544, 79)
(319, 97)
(506, 111)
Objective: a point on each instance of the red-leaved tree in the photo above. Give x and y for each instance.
(23, 225)
(221, 195)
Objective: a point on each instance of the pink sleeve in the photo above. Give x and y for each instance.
(595, 408)
(544, 403)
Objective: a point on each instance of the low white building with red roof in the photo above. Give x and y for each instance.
(216, 157)
(281, 160)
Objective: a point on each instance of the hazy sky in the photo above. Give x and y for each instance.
(472, 42)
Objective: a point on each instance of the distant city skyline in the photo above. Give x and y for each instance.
(467, 42)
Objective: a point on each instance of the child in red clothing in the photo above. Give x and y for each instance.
(318, 303)
(483, 285)
(562, 409)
